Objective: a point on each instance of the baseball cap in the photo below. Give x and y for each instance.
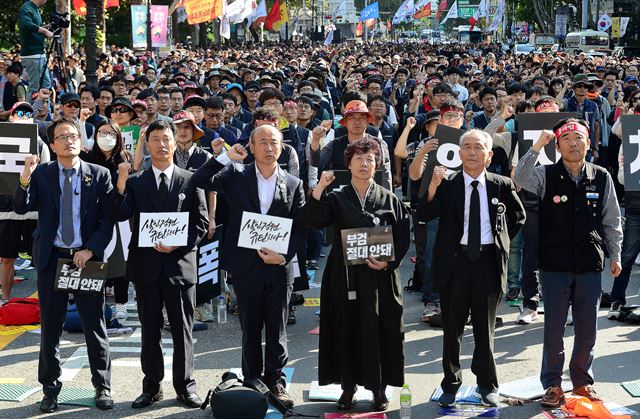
(21, 105)
(119, 101)
(194, 100)
(630, 79)
(234, 86)
(69, 97)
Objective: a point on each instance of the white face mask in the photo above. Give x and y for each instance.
(107, 143)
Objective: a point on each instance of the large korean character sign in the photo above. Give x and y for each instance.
(16, 142)
(447, 154)
(631, 151)
(531, 125)
(359, 244)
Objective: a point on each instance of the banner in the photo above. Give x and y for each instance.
(201, 11)
(284, 17)
(341, 10)
(497, 17)
(624, 22)
(561, 21)
(80, 6)
(443, 5)
(372, 11)
(273, 16)
(422, 9)
(358, 244)
(17, 141)
(139, 26)
(159, 15)
(181, 14)
(615, 27)
(259, 13)
(404, 13)
(631, 151)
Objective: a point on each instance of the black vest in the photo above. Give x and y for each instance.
(571, 238)
(632, 201)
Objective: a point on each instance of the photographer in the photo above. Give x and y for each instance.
(32, 35)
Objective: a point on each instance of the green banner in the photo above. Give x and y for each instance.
(467, 12)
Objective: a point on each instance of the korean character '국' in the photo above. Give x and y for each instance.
(362, 239)
(352, 254)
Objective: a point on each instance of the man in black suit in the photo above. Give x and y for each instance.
(479, 214)
(259, 277)
(74, 200)
(163, 275)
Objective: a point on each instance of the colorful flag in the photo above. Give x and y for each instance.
(624, 22)
(139, 26)
(404, 12)
(441, 8)
(604, 23)
(273, 16)
(372, 11)
(497, 16)
(359, 29)
(369, 23)
(388, 25)
(284, 17)
(423, 9)
(329, 38)
(452, 13)
(340, 10)
(259, 14)
(201, 11)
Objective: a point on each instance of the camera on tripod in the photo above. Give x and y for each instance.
(59, 21)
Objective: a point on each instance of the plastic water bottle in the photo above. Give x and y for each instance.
(222, 309)
(132, 293)
(405, 402)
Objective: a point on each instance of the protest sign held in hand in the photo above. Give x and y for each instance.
(209, 272)
(16, 142)
(87, 280)
(531, 125)
(358, 244)
(258, 231)
(168, 228)
(631, 151)
(447, 154)
(130, 137)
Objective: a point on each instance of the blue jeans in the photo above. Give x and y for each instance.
(582, 291)
(34, 68)
(428, 295)
(515, 261)
(630, 250)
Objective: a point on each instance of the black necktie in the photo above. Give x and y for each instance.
(473, 239)
(163, 189)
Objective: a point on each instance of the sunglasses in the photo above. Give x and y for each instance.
(120, 110)
(581, 86)
(253, 90)
(633, 99)
(72, 105)
(24, 114)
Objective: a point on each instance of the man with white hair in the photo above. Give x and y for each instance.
(480, 213)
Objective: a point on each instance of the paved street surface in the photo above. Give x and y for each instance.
(518, 355)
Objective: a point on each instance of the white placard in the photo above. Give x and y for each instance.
(169, 228)
(258, 231)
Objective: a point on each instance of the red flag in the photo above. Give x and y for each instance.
(80, 6)
(424, 12)
(443, 6)
(370, 23)
(472, 22)
(273, 16)
(388, 25)
(111, 3)
(359, 29)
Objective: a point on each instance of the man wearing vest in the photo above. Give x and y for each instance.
(579, 216)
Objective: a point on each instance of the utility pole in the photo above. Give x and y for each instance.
(149, 44)
(90, 41)
(585, 14)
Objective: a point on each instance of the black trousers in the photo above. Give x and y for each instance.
(179, 301)
(263, 302)
(420, 241)
(474, 287)
(53, 311)
(529, 282)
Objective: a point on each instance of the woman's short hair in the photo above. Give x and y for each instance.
(364, 146)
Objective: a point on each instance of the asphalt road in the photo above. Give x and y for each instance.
(517, 349)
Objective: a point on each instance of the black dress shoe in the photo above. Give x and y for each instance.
(146, 399)
(103, 399)
(49, 404)
(346, 399)
(380, 401)
(191, 400)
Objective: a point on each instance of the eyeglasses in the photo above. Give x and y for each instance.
(216, 115)
(23, 114)
(72, 105)
(224, 84)
(451, 116)
(252, 90)
(580, 86)
(103, 134)
(63, 138)
(272, 103)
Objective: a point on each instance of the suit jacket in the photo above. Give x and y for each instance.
(145, 264)
(239, 185)
(448, 204)
(96, 205)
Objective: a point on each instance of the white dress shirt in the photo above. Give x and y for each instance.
(486, 234)
(168, 172)
(266, 189)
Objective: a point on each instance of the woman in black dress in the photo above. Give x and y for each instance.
(361, 326)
